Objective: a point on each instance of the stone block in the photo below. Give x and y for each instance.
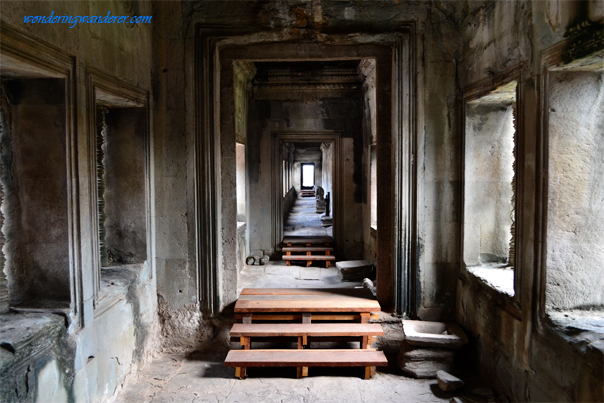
(434, 334)
(425, 362)
(354, 270)
(448, 382)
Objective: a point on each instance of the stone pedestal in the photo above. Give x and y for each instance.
(354, 270)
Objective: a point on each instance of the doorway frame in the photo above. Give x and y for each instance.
(212, 51)
(294, 136)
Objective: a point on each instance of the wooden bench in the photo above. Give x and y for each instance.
(309, 259)
(303, 331)
(301, 359)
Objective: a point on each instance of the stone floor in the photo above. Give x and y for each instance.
(276, 274)
(202, 377)
(304, 220)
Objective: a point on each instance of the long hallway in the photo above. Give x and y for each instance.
(304, 220)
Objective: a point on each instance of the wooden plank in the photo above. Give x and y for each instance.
(305, 358)
(315, 317)
(243, 306)
(290, 249)
(303, 240)
(308, 257)
(328, 298)
(357, 292)
(301, 329)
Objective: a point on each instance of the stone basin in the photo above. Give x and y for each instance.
(434, 334)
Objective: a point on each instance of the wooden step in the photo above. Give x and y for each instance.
(316, 302)
(304, 359)
(325, 292)
(307, 240)
(297, 317)
(307, 249)
(306, 329)
(309, 257)
(362, 332)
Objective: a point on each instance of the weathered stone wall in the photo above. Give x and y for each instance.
(525, 356)
(119, 334)
(575, 225)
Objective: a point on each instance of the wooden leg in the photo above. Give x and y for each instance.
(327, 264)
(308, 263)
(366, 342)
(306, 318)
(364, 317)
(372, 371)
(298, 372)
(246, 342)
(300, 343)
(247, 319)
(288, 262)
(304, 371)
(240, 372)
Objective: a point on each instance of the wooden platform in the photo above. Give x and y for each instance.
(306, 305)
(305, 358)
(288, 300)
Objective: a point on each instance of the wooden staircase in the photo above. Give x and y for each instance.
(284, 305)
(309, 246)
(307, 193)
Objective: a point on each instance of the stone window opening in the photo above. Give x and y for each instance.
(490, 154)
(118, 130)
(120, 173)
(35, 232)
(574, 230)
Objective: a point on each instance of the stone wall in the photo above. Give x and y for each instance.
(575, 224)
(513, 342)
(75, 350)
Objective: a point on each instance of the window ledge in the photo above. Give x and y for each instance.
(583, 330)
(115, 283)
(500, 279)
(27, 336)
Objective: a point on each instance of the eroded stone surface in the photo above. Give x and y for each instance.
(425, 362)
(448, 382)
(354, 270)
